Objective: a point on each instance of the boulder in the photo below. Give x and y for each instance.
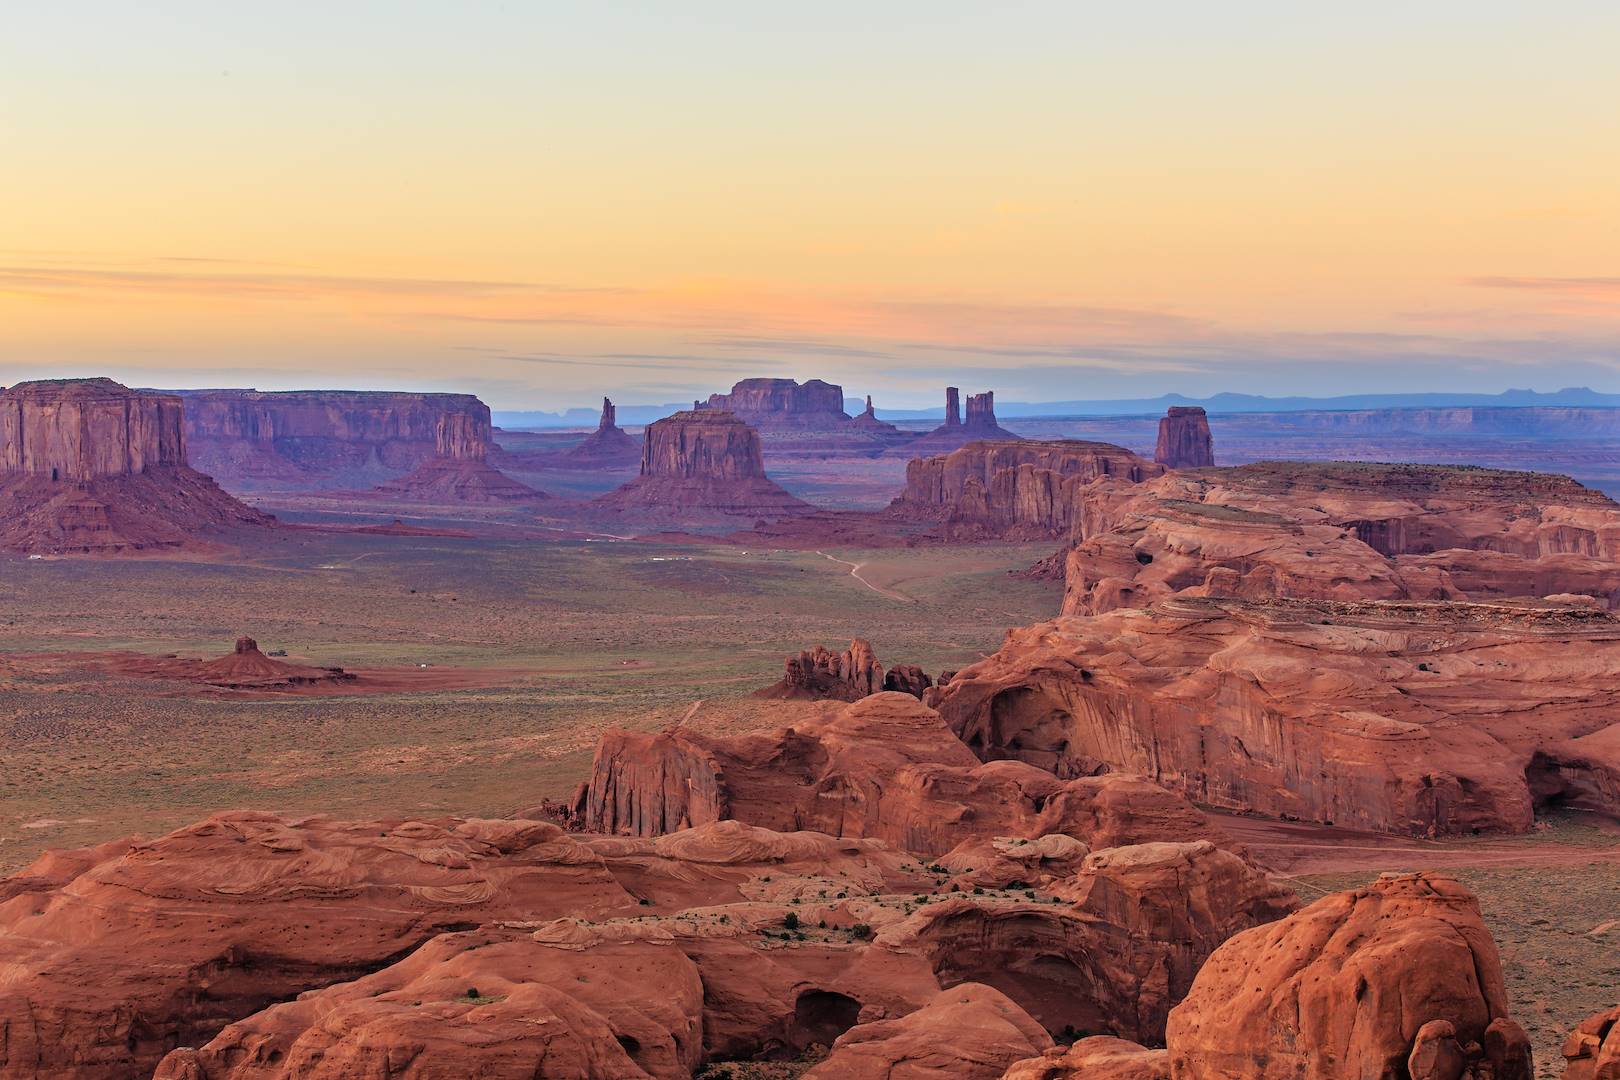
(1592, 1051)
(1399, 978)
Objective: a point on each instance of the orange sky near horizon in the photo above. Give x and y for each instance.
(543, 203)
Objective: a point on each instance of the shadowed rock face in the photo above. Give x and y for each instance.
(329, 438)
(1020, 489)
(88, 466)
(884, 767)
(1184, 439)
(702, 462)
(1404, 717)
(784, 403)
(85, 429)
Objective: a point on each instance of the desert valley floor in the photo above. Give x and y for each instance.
(532, 647)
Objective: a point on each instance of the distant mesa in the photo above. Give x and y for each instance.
(767, 404)
(806, 418)
(243, 668)
(1184, 439)
(312, 440)
(607, 445)
(703, 462)
(89, 466)
(955, 432)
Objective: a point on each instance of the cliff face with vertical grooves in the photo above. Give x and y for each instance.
(1023, 488)
(317, 439)
(701, 463)
(1184, 439)
(88, 466)
(81, 429)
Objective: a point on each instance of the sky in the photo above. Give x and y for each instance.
(544, 202)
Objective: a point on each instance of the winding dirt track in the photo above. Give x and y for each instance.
(855, 572)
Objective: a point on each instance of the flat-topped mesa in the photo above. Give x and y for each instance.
(607, 445)
(701, 463)
(1021, 488)
(1184, 439)
(784, 403)
(81, 429)
(981, 410)
(88, 466)
(329, 438)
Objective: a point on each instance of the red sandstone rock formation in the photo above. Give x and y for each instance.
(607, 446)
(819, 674)
(1016, 489)
(1184, 439)
(1406, 717)
(1592, 1051)
(1101, 1057)
(315, 439)
(969, 1032)
(1398, 979)
(88, 466)
(883, 767)
(701, 465)
(782, 403)
(1341, 531)
(246, 668)
(980, 424)
(118, 954)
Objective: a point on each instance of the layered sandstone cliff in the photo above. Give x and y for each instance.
(1342, 531)
(701, 464)
(1394, 716)
(324, 439)
(1184, 439)
(1016, 489)
(88, 466)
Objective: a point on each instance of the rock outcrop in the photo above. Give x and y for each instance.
(88, 466)
(1408, 717)
(1015, 490)
(884, 767)
(1100, 1057)
(1592, 1051)
(460, 470)
(1398, 979)
(328, 439)
(979, 425)
(700, 465)
(968, 1032)
(608, 445)
(1341, 531)
(1184, 439)
(819, 674)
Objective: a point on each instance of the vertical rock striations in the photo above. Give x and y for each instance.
(1184, 439)
(88, 466)
(955, 432)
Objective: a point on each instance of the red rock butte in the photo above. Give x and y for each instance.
(89, 466)
(702, 462)
(774, 403)
(1184, 439)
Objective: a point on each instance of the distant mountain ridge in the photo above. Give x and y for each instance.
(1215, 405)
